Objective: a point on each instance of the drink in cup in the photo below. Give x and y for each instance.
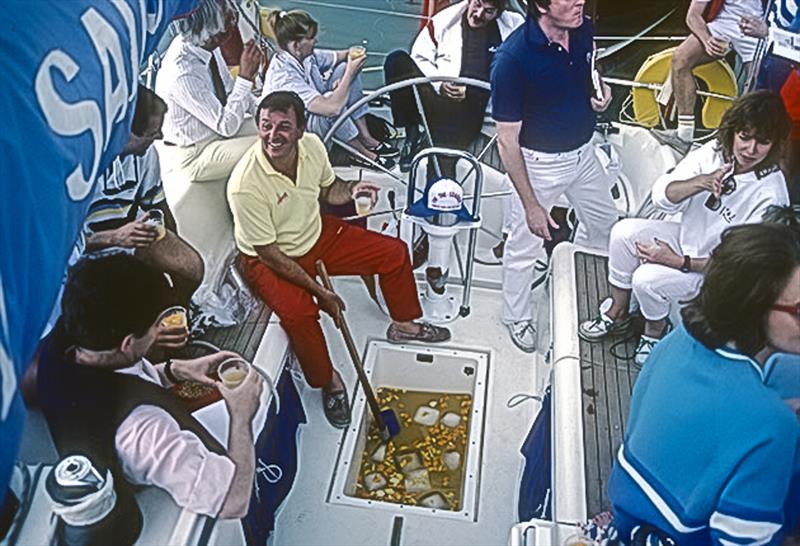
(232, 372)
(174, 316)
(156, 218)
(363, 199)
(356, 52)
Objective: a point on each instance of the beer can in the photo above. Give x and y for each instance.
(72, 479)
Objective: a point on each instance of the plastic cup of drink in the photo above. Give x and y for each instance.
(363, 201)
(356, 52)
(156, 218)
(174, 316)
(233, 371)
(725, 44)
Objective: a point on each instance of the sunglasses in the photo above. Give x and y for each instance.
(728, 186)
(790, 309)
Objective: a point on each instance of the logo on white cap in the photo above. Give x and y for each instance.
(445, 195)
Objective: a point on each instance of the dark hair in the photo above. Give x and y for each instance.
(292, 25)
(148, 104)
(106, 299)
(760, 114)
(500, 5)
(534, 5)
(283, 101)
(745, 276)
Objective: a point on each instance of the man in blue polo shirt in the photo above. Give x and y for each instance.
(544, 104)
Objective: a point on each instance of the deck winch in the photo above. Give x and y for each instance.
(441, 214)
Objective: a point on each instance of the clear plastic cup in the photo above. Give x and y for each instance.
(155, 217)
(356, 52)
(363, 201)
(174, 316)
(233, 371)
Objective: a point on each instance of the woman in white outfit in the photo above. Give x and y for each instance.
(299, 66)
(729, 181)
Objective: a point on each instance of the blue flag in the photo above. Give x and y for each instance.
(68, 76)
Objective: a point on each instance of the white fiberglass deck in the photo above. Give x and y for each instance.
(306, 517)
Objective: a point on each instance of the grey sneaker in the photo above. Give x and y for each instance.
(337, 408)
(428, 333)
(602, 326)
(523, 334)
(669, 137)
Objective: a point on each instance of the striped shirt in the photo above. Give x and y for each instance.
(711, 454)
(194, 113)
(785, 15)
(128, 188)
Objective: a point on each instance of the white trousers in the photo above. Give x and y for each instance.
(654, 286)
(210, 159)
(576, 174)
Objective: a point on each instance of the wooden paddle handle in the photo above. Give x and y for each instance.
(351, 348)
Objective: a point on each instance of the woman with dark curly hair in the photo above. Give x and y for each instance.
(729, 181)
(711, 454)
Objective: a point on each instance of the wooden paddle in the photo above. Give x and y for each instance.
(385, 420)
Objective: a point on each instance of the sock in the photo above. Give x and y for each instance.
(685, 127)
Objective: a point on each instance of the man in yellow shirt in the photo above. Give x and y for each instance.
(274, 193)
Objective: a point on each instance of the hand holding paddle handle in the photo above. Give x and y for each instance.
(387, 422)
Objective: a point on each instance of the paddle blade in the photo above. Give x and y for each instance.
(391, 424)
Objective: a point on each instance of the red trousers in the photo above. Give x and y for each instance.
(346, 250)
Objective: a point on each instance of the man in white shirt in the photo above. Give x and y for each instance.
(460, 40)
(206, 128)
(712, 36)
(103, 399)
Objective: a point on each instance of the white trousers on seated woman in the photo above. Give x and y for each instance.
(655, 286)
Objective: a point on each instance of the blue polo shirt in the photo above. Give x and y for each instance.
(538, 82)
(711, 454)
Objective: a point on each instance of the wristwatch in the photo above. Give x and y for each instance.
(687, 264)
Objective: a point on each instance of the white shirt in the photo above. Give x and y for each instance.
(438, 52)
(286, 73)
(701, 227)
(734, 10)
(194, 113)
(153, 450)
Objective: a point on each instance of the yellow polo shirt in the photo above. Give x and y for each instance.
(269, 208)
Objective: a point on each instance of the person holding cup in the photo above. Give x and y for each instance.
(103, 397)
(129, 213)
(275, 194)
(299, 66)
(712, 36)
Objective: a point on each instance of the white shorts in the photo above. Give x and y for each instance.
(727, 27)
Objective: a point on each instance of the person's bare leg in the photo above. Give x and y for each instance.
(357, 144)
(620, 301)
(364, 135)
(687, 56)
(178, 258)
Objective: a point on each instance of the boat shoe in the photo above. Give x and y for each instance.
(385, 149)
(523, 334)
(337, 408)
(602, 326)
(428, 333)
